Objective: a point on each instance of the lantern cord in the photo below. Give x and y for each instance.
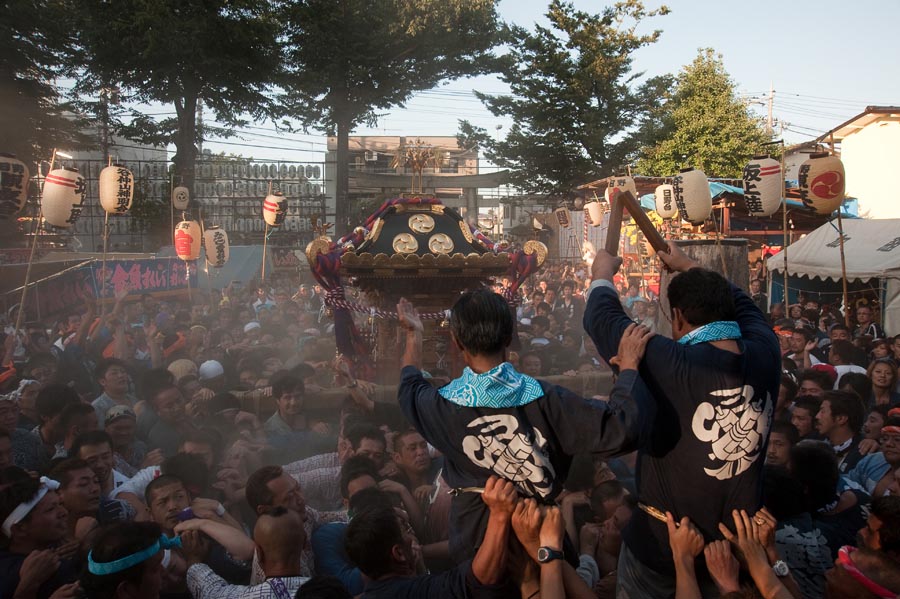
(265, 247)
(719, 245)
(103, 267)
(37, 231)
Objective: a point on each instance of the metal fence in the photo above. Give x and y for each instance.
(228, 193)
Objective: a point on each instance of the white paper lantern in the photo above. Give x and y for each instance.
(215, 242)
(116, 189)
(181, 198)
(665, 201)
(187, 240)
(14, 178)
(621, 184)
(763, 186)
(63, 197)
(822, 183)
(595, 211)
(274, 209)
(692, 195)
(562, 217)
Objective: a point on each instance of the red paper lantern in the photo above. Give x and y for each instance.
(822, 183)
(187, 240)
(116, 189)
(13, 185)
(63, 197)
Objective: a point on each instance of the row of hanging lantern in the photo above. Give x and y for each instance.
(189, 237)
(821, 183)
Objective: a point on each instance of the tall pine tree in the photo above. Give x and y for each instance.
(573, 97)
(705, 125)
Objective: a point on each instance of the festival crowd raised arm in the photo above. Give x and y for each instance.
(216, 448)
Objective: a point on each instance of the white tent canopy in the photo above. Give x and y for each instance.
(871, 250)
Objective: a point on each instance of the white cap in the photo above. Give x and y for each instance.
(210, 370)
(251, 325)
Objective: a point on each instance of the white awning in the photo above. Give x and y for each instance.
(871, 250)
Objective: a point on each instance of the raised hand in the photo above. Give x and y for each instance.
(723, 566)
(500, 496)
(632, 346)
(409, 316)
(684, 538)
(675, 259)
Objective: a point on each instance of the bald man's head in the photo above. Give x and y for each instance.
(279, 538)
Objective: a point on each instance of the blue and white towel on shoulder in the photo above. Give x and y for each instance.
(500, 387)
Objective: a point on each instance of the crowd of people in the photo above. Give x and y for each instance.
(133, 463)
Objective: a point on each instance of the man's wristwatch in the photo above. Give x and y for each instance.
(781, 569)
(547, 554)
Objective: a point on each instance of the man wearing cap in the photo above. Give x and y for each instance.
(129, 453)
(112, 376)
(34, 523)
(212, 375)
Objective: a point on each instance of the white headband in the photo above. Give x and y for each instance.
(23, 509)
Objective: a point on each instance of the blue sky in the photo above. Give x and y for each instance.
(826, 59)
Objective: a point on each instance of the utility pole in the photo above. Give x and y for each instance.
(200, 126)
(769, 121)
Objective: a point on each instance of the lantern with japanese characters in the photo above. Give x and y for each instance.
(692, 195)
(762, 186)
(665, 201)
(116, 189)
(63, 197)
(275, 209)
(13, 185)
(595, 210)
(187, 240)
(621, 184)
(215, 243)
(822, 183)
(181, 198)
(562, 217)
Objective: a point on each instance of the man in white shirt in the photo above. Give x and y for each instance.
(95, 448)
(840, 355)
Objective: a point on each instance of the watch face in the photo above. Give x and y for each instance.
(543, 554)
(780, 568)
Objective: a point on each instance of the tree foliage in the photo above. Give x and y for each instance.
(704, 124)
(222, 53)
(574, 97)
(35, 40)
(347, 59)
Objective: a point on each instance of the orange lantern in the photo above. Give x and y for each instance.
(116, 189)
(187, 240)
(13, 185)
(63, 197)
(822, 183)
(692, 195)
(275, 209)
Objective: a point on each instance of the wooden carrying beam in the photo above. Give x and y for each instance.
(624, 200)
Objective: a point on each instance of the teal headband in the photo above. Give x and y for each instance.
(121, 564)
